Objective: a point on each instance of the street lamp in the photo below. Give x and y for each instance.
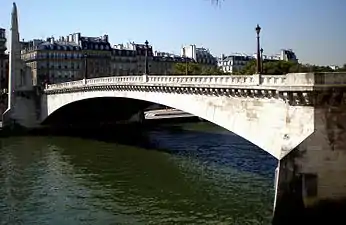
(258, 30)
(261, 50)
(146, 71)
(85, 66)
(186, 66)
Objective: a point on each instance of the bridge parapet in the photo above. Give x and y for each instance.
(288, 82)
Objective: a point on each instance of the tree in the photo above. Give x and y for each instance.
(283, 67)
(196, 69)
(342, 69)
(190, 68)
(212, 71)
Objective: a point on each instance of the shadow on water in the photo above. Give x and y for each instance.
(189, 174)
(206, 142)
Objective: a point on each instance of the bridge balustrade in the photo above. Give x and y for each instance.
(256, 81)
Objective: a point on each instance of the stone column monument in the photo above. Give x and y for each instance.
(21, 110)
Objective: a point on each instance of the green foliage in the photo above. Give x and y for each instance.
(342, 69)
(195, 69)
(276, 67)
(283, 67)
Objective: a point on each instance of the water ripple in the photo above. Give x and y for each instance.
(188, 177)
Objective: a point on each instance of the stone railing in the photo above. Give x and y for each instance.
(273, 80)
(238, 80)
(204, 80)
(289, 81)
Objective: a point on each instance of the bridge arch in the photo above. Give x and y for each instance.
(263, 122)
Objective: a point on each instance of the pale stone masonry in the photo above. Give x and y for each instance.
(300, 119)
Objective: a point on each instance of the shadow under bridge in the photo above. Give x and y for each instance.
(96, 112)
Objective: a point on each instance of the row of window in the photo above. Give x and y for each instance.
(232, 68)
(52, 55)
(231, 62)
(95, 46)
(206, 60)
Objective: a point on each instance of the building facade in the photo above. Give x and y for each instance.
(123, 60)
(164, 63)
(67, 58)
(201, 56)
(233, 63)
(236, 62)
(96, 52)
(284, 55)
(53, 61)
(130, 59)
(4, 60)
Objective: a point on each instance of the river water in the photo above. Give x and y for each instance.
(184, 174)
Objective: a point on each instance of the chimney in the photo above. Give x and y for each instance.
(67, 38)
(52, 40)
(105, 37)
(77, 37)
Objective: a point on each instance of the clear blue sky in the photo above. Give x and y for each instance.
(314, 29)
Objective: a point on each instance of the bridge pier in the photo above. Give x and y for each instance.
(23, 112)
(311, 179)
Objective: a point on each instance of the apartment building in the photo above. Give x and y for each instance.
(4, 60)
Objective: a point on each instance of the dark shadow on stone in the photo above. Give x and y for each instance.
(290, 206)
(290, 209)
(326, 212)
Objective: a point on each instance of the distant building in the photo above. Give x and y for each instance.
(97, 51)
(334, 67)
(199, 55)
(285, 55)
(4, 60)
(129, 59)
(64, 59)
(2, 40)
(164, 63)
(236, 62)
(123, 60)
(233, 63)
(53, 61)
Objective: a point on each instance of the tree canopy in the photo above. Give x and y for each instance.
(196, 69)
(283, 67)
(269, 67)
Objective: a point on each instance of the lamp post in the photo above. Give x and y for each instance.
(146, 71)
(186, 66)
(262, 68)
(258, 30)
(85, 66)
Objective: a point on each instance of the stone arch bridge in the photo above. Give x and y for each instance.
(264, 115)
(300, 119)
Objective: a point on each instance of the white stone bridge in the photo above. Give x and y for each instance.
(278, 113)
(261, 113)
(300, 119)
(275, 112)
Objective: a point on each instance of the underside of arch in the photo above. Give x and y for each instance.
(262, 122)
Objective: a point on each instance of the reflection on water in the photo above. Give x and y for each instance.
(188, 176)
